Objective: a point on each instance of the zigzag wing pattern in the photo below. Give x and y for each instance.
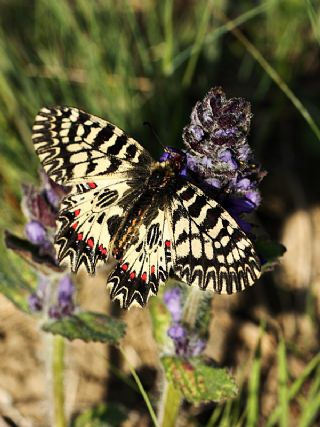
(211, 250)
(90, 217)
(74, 146)
(146, 264)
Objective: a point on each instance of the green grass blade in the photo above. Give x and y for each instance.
(168, 36)
(295, 388)
(314, 19)
(311, 407)
(254, 386)
(272, 73)
(141, 388)
(198, 43)
(213, 35)
(283, 383)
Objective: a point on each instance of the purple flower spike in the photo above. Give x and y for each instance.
(218, 154)
(36, 232)
(172, 299)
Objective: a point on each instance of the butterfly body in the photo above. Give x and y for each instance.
(149, 216)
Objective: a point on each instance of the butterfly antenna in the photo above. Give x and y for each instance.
(154, 133)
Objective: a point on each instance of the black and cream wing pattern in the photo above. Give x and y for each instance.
(144, 214)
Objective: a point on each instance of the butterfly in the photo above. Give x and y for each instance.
(148, 216)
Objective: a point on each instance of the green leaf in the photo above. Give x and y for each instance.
(101, 416)
(32, 254)
(198, 379)
(270, 251)
(17, 279)
(87, 326)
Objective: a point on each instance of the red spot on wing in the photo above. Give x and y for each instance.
(132, 275)
(79, 236)
(103, 250)
(167, 243)
(75, 225)
(76, 212)
(144, 276)
(153, 269)
(124, 267)
(92, 184)
(90, 242)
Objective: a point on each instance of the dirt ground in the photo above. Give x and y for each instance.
(234, 333)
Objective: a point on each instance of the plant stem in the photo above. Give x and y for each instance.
(171, 397)
(191, 306)
(170, 405)
(57, 381)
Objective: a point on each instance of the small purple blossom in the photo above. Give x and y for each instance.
(177, 332)
(37, 299)
(164, 157)
(197, 132)
(173, 300)
(36, 232)
(227, 158)
(35, 302)
(66, 291)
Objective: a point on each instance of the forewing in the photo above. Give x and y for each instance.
(89, 219)
(210, 249)
(74, 146)
(147, 263)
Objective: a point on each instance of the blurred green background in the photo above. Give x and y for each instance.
(132, 61)
(135, 61)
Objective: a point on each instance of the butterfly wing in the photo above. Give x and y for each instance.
(74, 146)
(106, 169)
(90, 217)
(211, 251)
(147, 263)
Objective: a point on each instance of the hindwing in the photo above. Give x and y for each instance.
(147, 263)
(90, 217)
(211, 251)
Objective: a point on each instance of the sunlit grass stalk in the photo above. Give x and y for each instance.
(310, 409)
(272, 73)
(144, 394)
(313, 19)
(170, 405)
(58, 347)
(213, 35)
(195, 52)
(294, 389)
(168, 34)
(283, 386)
(254, 386)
